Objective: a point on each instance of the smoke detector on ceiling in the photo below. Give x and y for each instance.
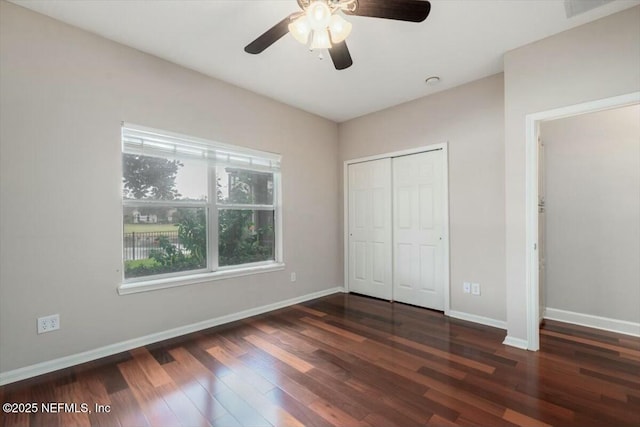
(432, 81)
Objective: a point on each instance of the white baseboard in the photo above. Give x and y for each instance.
(109, 350)
(516, 342)
(597, 322)
(500, 324)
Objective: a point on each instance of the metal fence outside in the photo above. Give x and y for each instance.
(138, 245)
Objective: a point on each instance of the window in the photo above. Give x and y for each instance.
(196, 207)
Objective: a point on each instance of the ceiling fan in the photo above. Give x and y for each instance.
(320, 25)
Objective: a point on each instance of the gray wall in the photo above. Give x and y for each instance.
(594, 61)
(64, 93)
(592, 239)
(471, 119)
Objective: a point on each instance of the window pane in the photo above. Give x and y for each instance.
(160, 240)
(243, 186)
(157, 178)
(245, 236)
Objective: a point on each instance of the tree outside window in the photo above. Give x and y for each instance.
(166, 216)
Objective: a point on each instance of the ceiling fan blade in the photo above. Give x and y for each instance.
(402, 10)
(270, 36)
(340, 56)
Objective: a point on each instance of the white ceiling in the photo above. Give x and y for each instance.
(460, 41)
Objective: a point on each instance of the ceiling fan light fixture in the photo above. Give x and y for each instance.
(319, 15)
(320, 40)
(320, 24)
(339, 28)
(300, 29)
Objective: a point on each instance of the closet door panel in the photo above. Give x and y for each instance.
(370, 260)
(418, 230)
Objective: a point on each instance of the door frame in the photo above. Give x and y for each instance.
(532, 281)
(445, 179)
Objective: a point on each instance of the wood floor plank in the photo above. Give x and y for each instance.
(261, 325)
(230, 346)
(185, 411)
(45, 393)
(199, 372)
(296, 408)
(284, 382)
(205, 402)
(310, 310)
(365, 352)
(523, 420)
(333, 329)
(370, 374)
(444, 355)
(285, 356)
(438, 421)
(372, 350)
(509, 396)
(600, 335)
(272, 413)
(238, 367)
(376, 419)
(150, 366)
(334, 415)
(289, 339)
(471, 399)
(16, 417)
(467, 411)
(318, 384)
(635, 354)
(96, 396)
(557, 376)
(151, 402)
(363, 402)
(126, 409)
(241, 411)
(384, 388)
(112, 378)
(584, 402)
(71, 394)
(411, 408)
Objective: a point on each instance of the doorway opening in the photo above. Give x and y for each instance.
(534, 201)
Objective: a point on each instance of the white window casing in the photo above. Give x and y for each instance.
(144, 141)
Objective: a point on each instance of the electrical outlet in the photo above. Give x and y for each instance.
(48, 323)
(466, 287)
(293, 277)
(475, 289)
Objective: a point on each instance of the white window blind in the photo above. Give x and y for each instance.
(150, 142)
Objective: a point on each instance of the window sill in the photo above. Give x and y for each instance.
(152, 285)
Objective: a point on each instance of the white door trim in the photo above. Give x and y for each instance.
(445, 171)
(531, 193)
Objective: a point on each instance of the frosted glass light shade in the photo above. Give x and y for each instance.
(300, 29)
(320, 40)
(319, 15)
(340, 28)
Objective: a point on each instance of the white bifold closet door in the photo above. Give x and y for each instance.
(418, 229)
(396, 229)
(370, 257)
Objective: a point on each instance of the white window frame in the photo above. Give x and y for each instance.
(171, 145)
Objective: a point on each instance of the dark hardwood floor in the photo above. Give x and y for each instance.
(347, 360)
